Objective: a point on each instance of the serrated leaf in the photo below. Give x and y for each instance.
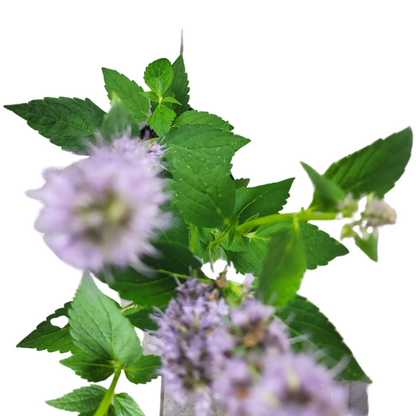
(161, 119)
(319, 247)
(144, 369)
(245, 262)
(124, 405)
(170, 100)
(150, 95)
(202, 118)
(92, 412)
(158, 285)
(99, 328)
(241, 183)
(50, 337)
(218, 145)
(89, 368)
(129, 93)
(158, 76)
(203, 238)
(117, 121)
(204, 194)
(67, 122)
(304, 318)
(178, 232)
(140, 317)
(375, 168)
(179, 88)
(283, 267)
(326, 191)
(367, 246)
(199, 161)
(84, 399)
(262, 200)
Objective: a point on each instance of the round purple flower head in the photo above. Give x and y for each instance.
(183, 332)
(103, 209)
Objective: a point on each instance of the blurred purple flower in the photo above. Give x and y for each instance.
(252, 325)
(183, 332)
(103, 209)
(279, 385)
(132, 149)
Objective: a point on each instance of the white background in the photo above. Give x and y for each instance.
(306, 81)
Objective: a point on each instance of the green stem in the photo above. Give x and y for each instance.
(183, 276)
(105, 404)
(300, 216)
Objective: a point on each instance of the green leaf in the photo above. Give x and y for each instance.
(262, 200)
(218, 145)
(319, 247)
(326, 191)
(161, 119)
(179, 88)
(199, 161)
(203, 118)
(140, 317)
(158, 76)
(50, 337)
(99, 328)
(88, 367)
(143, 370)
(124, 405)
(245, 262)
(150, 95)
(67, 122)
(84, 399)
(117, 121)
(129, 93)
(170, 100)
(241, 183)
(178, 232)
(368, 246)
(375, 168)
(92, 412)
(202, 241)
(283, 267)
(155, 286)
(304, 318)
(204, 194)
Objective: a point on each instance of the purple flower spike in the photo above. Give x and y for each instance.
(104, 209)
(183, 333)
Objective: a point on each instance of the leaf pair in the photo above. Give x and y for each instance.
(371, 170)
(106, 337)
(166, 81)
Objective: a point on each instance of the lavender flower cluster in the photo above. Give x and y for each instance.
(103, 210)
(239, 356)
